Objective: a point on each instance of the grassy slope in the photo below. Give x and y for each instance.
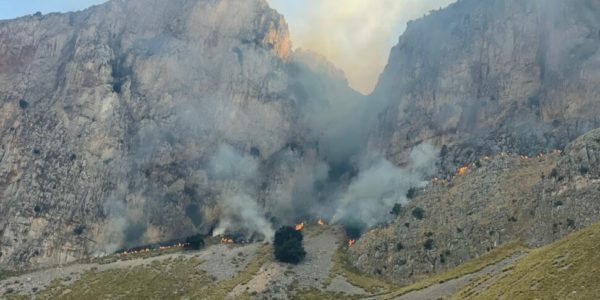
(386, 290)
(172, 278)
(566, 269)
(569, 268)
(469, 267)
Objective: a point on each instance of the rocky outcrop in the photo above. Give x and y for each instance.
(483, 77)
(109, 118)
(497, 200)
(497, 85)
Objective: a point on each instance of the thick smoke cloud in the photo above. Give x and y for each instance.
(247, 168)
(380, 185)
(240, 212)
(356, 35)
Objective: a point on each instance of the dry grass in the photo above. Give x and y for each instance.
(567, 269)
(165, 279)
(343, 267)
(472, 266)
(315, 294)
(262, 256)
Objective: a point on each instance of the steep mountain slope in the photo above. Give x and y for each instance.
(497, 200)
(566, 269)
(489, 76)
(112, 120)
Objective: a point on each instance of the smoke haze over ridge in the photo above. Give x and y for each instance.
(356, 35)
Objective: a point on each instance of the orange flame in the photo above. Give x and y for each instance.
(299, 227)
(321, 222)
(463, 170)
(227, 241)
(351, 243)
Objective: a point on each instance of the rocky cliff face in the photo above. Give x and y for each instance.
(489, 76)
(497, 200)
(482, 80)
(109, 118)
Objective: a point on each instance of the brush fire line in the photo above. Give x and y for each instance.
(227, 241)
(464, 169)
(321, 222)
(351, 243)
(151, 248)
(299, 227)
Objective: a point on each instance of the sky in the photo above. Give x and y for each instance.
(356, 35)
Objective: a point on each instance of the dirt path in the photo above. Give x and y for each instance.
(449, 288)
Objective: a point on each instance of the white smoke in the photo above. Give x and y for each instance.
(240, 212)
(227, 164)
(113, 233)
(380, 185)
(355, 34)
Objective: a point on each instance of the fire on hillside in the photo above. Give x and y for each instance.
(178, 244)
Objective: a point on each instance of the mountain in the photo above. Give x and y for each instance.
(485, 77)
(500, 86)
(497, 200)
(121, 123)
(562, 270)
(136, 124)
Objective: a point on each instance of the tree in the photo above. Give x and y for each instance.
(291, 251)
(418, 213)
(429, 244)
(288, 245)
(412, 193)
(23, 104)
(396, 210)
(195, 241)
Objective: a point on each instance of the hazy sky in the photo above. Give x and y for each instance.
(356, 35)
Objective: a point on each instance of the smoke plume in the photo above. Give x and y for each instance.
(380, 185)
(239, 211)
(355, 34)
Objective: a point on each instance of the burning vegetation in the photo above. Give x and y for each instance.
(152, 248)
(299, 226)
(225, 240)
(351, 242)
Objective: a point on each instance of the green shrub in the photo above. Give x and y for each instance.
(23, 104)
(195, 242)
(428, 245)
(412, 193)
(399, 246)
(396, 210)
(288, 245)
(418, 213)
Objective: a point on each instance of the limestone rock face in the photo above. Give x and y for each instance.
(489, 76)
(109, 116)
(487, 82)
(498, 200)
